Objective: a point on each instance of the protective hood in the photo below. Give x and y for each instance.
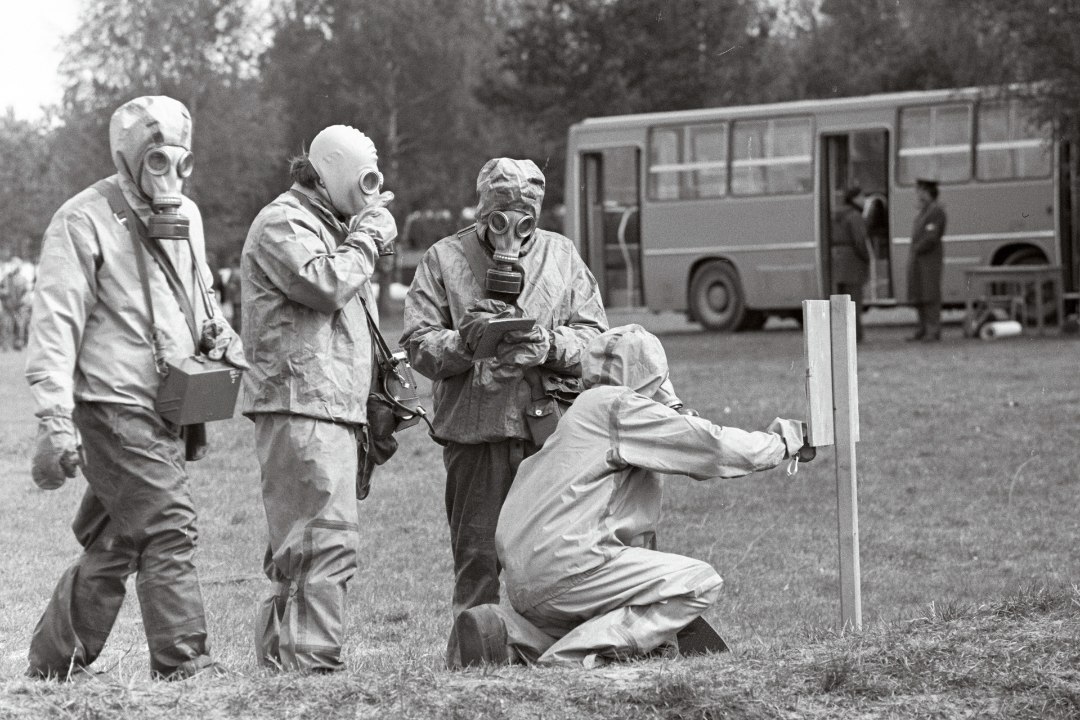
(508, 184)
(143, 123)
(628, 355)
(340, 154)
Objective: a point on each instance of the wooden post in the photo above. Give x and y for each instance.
(832, 393)
(846, 428)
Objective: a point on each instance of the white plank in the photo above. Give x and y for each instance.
(819, 380)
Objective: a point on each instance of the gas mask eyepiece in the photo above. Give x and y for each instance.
(158, 162)
(370, 181)
(499, 223)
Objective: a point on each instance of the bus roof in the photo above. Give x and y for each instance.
(796, 107)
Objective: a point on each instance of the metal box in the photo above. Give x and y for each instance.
(198, 390)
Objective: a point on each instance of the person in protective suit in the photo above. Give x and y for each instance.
(121, 291)
(305, 274)
(577, 533)
(492, 413)
(849, 251)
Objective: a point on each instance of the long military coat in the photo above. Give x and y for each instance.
(927, 255)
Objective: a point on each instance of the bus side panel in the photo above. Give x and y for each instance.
(981, 219)
(769, 240)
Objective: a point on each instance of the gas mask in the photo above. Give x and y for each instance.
(347, 164)
(164, 168)
(506, 231)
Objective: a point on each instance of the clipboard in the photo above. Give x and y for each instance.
(495, 331)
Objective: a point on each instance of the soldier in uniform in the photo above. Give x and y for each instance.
(927, 257)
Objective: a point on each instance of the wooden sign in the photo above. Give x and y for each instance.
(832, 400)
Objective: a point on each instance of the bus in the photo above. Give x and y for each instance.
(724, 213)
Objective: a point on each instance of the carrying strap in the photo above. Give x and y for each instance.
(383, 356)
(536, 384)
(479, 262)
(139, 238)
(388, 364)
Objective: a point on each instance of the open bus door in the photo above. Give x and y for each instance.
(611, 208)
(1068, 230)
(859, 157)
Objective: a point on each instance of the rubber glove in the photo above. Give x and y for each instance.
(220, 342)
(376, 222)
(790, 431)
(57, 453)
(476, 318)
(525, 348)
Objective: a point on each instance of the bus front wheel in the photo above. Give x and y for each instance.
(716, 297)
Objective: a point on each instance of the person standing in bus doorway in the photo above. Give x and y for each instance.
(486, 409)
(850, 257)
(927, 258)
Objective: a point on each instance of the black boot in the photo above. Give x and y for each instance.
(481, 636)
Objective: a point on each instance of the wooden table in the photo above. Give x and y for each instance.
(1022, 276)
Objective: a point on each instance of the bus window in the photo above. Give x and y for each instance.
(935, 142)
(1010, 145)
(708, 157)
(771, 157)
(664, 164)
(687, 163)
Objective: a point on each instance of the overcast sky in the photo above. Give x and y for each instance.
(30, 33)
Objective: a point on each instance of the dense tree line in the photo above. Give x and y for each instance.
(442, 85)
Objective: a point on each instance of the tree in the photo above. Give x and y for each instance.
(564, 60)
(1040, 41)
(859, 47)
(397, 72)
(26, 200)
(201, 52)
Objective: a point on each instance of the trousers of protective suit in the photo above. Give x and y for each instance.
(478, 477)
(136, 517)
(309, 494)
(629, 606)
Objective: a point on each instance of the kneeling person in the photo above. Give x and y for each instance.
(577, 531)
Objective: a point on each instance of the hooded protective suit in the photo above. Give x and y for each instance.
(302, 276)
(577, 531)
(480, 405)
(91, 357)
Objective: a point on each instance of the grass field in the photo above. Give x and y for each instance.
(969, 474)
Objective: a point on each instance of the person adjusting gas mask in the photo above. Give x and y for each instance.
(350, 182)
(306, 267)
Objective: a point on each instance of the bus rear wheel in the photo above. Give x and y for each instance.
(716, 297)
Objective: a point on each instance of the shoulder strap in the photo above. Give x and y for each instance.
(479, 262)
(111, 191)
(383, 356)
